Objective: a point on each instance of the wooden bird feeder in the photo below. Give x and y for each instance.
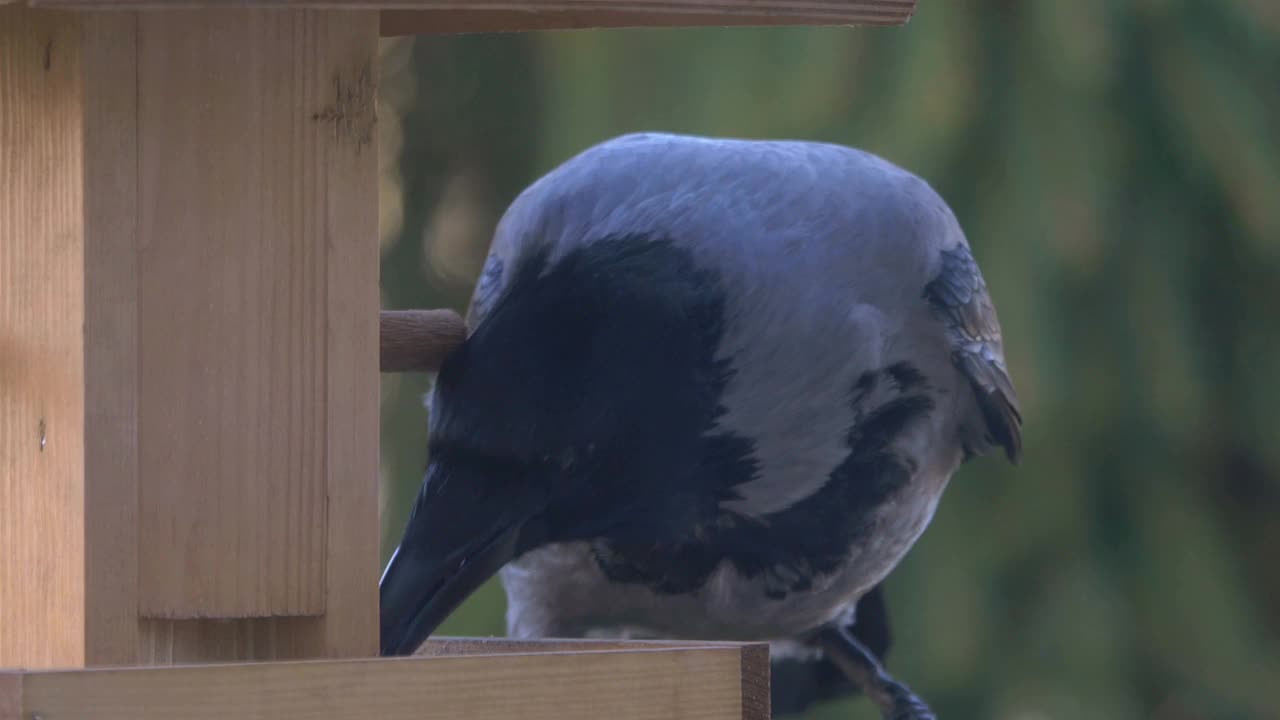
(189, 359)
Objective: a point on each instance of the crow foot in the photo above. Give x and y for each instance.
(896, 701)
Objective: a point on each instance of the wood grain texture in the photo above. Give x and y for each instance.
(349, 198)
(111, 380)
(701, 683)
(255, 132)
(334, 204)
(174, 642)
(418, 340)
(229, 211)
(482, 16)
(10, 696)
(231, 284)
(412, 17)
(450, 646)
(755, 666)
(756, 699)
(41, 347)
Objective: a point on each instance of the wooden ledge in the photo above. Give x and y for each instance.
(453, 678)
(423, 17)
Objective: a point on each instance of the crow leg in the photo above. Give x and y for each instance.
(896, 700)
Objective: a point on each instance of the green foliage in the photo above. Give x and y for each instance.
(1117, 168)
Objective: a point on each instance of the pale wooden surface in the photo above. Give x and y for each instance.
(755, 670)
(256, 333)
(411, 17)
(418, 340)
(349, 198)
(225, 401)
(441, 646)
(692, 683)
(41, 301)
(473, 16)
(231, 285)
(754, 659)
(111, 336)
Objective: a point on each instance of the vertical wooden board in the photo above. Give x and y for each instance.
(10, 696)
(231, 319)
(253, 167)
(41, 316)
(114, 634)
(348, 146)
(110, 48)
(756, 683)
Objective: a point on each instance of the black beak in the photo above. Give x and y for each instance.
(459, 535)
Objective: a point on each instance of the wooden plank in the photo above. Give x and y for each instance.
(399, 23)
(411, 17)
(110, 49)
(70, 579)
(231, 316)
(695, 683)
(755, 666)
(451, 646)
(114, 633)
(756, 676)
(347, 147)
(256, 182)
(478, 16)
(10, 696)
(41, 350)
(333, 187)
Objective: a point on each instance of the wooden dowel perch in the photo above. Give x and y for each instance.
(418, 340)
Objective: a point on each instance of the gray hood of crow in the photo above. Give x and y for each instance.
(855, 361)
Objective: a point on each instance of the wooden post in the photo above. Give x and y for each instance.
(194, 477)
(41, 348)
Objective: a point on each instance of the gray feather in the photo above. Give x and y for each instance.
(823, 252)
(959, 296)
(812, 241)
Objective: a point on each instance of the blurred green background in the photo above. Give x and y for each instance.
(1117, 169)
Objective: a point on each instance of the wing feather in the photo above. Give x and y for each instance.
(959, 297)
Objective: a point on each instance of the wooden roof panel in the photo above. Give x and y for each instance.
(414, 17)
